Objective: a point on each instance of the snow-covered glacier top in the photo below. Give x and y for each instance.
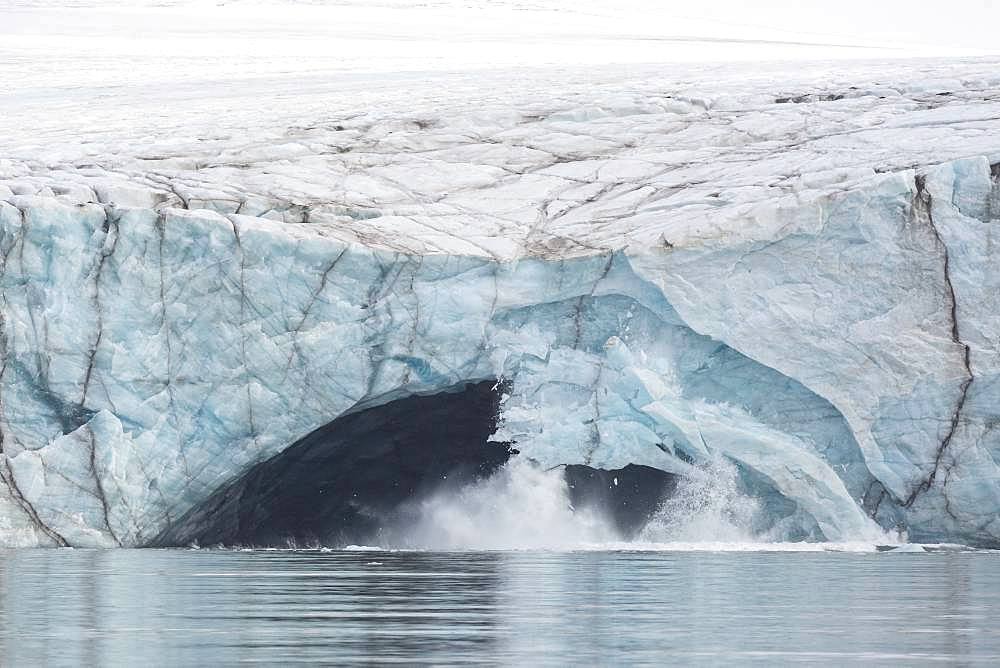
(506, 164)
(789, 266)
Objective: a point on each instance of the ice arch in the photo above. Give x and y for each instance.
(346, 482)
(363, 479)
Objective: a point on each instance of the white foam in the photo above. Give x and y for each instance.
(706, 509)
(364, 548)
(523, 508)
(520, 507)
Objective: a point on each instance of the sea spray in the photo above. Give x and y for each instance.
(519, 507)
(708, 506)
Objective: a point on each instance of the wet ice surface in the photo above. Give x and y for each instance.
(584, 607)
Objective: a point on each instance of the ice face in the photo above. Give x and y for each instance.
(664, 280)
(908, 401)
(153, 356)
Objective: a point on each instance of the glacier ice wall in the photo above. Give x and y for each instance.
(840, 348)
(879, 300)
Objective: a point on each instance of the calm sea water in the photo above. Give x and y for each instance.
(214, 607)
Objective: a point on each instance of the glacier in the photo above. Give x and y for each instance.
(663, 270)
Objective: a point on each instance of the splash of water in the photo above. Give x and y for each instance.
(519, 507)
(522, 507)
(707, 507)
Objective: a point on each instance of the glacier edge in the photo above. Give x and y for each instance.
(209, 342)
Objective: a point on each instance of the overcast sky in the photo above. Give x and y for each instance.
(963, 24)
(957, 23)
(109, 42)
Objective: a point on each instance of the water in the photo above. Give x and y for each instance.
(584, 607)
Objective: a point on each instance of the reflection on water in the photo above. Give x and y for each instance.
(208, 607)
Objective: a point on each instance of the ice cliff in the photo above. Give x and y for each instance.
(804, 284)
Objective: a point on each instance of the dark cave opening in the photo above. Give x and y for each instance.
(628, 497)
(350, 480)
